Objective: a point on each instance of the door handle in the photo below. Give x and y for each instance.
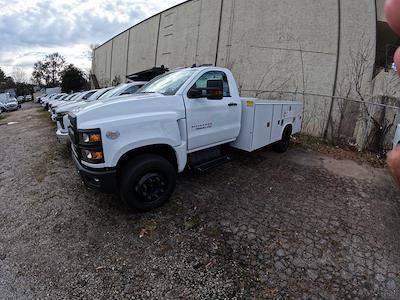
(232, 104)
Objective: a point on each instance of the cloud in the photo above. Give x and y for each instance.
(30, 29)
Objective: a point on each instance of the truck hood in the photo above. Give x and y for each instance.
(116, 100)
(67, 107)
(76, 106)
(11, 103)
(129, 106)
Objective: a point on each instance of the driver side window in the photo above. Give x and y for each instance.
(201, 83)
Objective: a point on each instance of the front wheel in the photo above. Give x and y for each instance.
(148, 181)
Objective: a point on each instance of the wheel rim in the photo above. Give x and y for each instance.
(151, 187)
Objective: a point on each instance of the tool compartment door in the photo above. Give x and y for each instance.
(262, 125)
(277, 123)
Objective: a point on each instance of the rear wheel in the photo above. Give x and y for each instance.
(283, 145)
(148, 181)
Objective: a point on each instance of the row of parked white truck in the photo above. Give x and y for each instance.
(133, 139)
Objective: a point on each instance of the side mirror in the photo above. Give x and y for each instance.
(213, 91)
(195, 93)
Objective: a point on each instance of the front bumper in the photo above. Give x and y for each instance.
(62, 137)
(104, 180)
(12, 108)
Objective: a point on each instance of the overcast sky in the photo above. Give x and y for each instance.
(30, 29)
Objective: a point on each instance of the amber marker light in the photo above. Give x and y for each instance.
(97, 155)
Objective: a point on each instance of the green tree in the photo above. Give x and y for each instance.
(23, 89)
(72, 79)
(2, 76)
(6, 82)
(55, 63)
(39, 75)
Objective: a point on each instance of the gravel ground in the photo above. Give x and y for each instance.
(299, 225)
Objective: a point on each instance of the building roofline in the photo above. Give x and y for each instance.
(155, 15)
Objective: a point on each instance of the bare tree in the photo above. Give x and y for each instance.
(355, 87)
(116, 81)
(19, 75)
(381, 125)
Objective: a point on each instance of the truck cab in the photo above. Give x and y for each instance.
(135, 145)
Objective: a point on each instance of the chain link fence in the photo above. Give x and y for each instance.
(367, 125)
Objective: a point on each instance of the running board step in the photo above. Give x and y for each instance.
(212, 163)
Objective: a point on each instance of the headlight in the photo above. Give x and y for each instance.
(91, 149)
(91, 137)
(92, 155)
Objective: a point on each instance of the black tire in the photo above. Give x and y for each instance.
(3, 110)
(147, 182)
(283, 145)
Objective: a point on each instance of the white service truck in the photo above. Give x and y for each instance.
(135, 145)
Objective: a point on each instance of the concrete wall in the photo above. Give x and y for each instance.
(143, 45)
(185, 38)
(119, 57)
(380, 13)
(282, 47)
(358, 35)
(102, 63)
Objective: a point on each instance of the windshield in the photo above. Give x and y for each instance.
(168, 83)
(85, 95)
(114, 91)
(97, 95)
(58, 97)
(71, 96)
(75, 96)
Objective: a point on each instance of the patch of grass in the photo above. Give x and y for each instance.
(340, 152)
(44, 115)
(191, 223)
(308, 141)
(42, 165)
(166, 246)
(212, 232)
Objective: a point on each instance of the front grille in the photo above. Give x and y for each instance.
(60, 118)
(72, 129)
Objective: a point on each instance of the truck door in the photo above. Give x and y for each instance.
(212, 122)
